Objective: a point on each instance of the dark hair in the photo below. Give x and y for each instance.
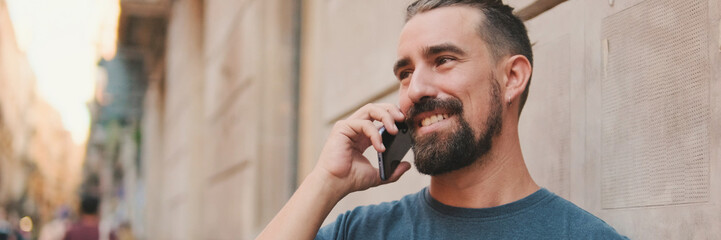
(89, 204)
(504, 32)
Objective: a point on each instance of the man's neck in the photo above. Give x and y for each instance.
(89, 219)
(498, 178)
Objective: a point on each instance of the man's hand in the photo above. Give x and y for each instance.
(341, 169)
(342, 159)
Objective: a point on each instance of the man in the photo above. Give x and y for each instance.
(88, 226)
(464, 69)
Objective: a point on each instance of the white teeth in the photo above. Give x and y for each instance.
(433, 119)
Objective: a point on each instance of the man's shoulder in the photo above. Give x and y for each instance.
(579, 222)
(374, 221)
(542, 215)
(392, 208)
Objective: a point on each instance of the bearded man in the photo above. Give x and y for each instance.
(464, 68)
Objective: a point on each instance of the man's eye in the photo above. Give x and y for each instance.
(443, 60)
(404, 75)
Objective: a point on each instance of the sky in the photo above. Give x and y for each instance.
(63, 41)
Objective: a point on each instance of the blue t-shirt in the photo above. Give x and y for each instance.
(541, 215)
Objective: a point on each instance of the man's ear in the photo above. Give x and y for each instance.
(518, 71)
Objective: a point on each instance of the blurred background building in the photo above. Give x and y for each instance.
(39, 162)
(206, 114)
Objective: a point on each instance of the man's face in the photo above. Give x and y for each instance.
(449, 90)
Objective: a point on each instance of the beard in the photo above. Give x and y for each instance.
(439, 152)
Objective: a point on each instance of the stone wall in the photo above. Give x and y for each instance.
(220, 127)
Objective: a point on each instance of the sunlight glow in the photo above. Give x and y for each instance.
(26, 224)
(63, 41)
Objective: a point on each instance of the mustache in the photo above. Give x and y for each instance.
(451, 105)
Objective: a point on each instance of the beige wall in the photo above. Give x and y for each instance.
(678, 71)
(220, 127)
(614, 87)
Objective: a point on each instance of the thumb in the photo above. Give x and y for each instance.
(402, 168)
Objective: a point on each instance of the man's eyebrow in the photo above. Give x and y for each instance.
(401, 63)
(440, 48)
(429, 52)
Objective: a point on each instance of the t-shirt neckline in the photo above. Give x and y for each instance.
(492, 212)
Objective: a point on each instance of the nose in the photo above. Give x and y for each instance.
(421, 85)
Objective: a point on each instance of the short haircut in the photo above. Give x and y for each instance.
(89, 204)
(504, 32)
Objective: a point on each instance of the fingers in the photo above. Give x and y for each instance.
(386, 113)
(363, 129)
(342, 155)
(400, 170)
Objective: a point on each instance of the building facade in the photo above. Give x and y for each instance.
(39, 162)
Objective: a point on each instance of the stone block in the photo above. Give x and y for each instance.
(359, 50)
(230, 204)
(544, 128)
(185, 31)
(233, 134)
(519, 4)
(236, 61)
(220, 18)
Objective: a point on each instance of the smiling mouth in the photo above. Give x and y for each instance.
(430, 120)
(431, 111)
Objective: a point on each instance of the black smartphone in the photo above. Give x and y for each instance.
(396, 148)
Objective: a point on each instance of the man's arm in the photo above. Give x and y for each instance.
(341, 169)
